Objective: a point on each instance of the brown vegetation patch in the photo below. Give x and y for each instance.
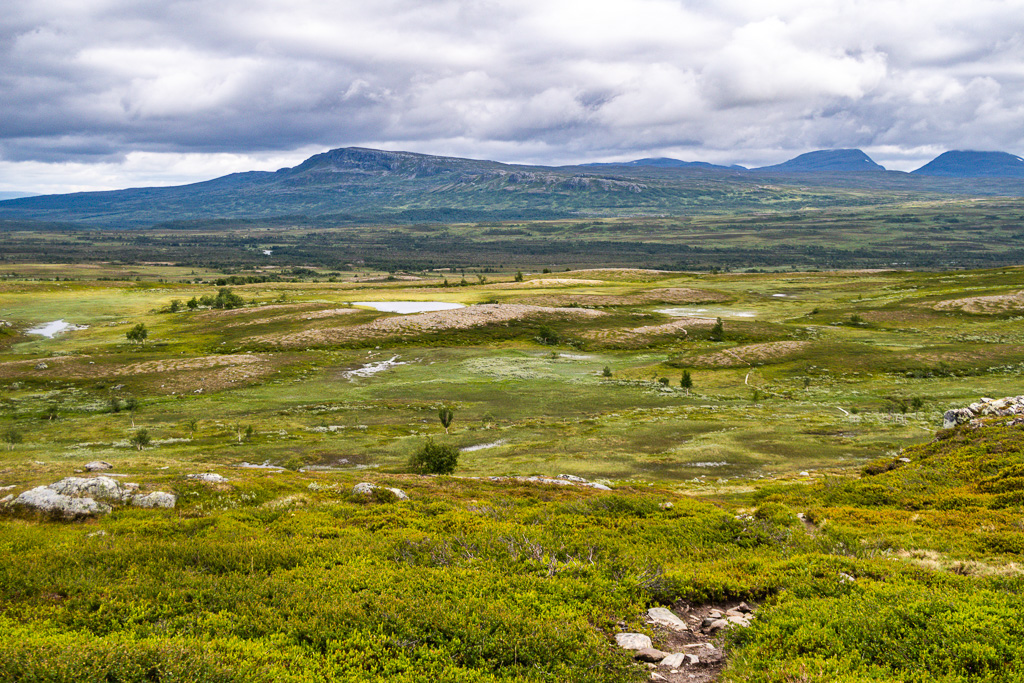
(750, 354)
(235, 312)
(544, 283)
(207, 373)
(422, 323)
(998, 303)
(669, 295)
(676, 327)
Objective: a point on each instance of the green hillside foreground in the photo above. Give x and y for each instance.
(265, 579)
(822, 396)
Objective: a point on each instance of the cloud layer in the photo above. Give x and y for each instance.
(110, 93)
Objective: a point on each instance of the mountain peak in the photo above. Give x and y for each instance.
(826, 160)
(973, 164)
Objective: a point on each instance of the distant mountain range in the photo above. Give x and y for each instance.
(366, 185)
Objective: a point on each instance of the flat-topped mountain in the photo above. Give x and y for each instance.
(667, 162)
(971, 164)
(359, 185)
(826, 161)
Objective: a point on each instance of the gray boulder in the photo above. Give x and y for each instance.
(208, 477)
(97, 465)
(665, 617)
(633, 641)
(955, 417)
(366, 489)
(76, 497)
(45, 499)
(103, 488)
(650, 655)
(156, 499)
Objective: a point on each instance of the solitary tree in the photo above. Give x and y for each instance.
(686, 381)
(607, 372)
(141, 439)
(11, 437)
(718, 331)
(519, 276)
(138, 334)
(445, 415)
(435, 458)
(132, 405)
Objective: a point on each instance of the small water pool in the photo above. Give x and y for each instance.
(406, 307)
(50, 329)
(686, 312)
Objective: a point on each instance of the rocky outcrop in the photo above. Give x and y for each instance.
(986, 407)
(78, 497)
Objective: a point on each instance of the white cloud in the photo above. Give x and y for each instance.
(95, 91)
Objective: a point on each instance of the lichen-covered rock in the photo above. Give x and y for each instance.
(363, 488)
(208, 477)
(46, 499)
(156, 499)
(957, 416)
(102, 488)
(97, 465)
(76, 497)
(366, 489)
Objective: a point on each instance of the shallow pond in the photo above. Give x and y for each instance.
(686, 312)
(405, 307)
(48, 330)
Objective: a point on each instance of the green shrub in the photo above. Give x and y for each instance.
(435, 458)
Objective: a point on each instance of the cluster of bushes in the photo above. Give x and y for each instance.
(225, 298)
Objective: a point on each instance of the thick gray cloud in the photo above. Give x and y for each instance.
(109, 93)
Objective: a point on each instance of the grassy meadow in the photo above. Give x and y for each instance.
(812, 380)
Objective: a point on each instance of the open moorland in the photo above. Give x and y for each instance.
(818, 393)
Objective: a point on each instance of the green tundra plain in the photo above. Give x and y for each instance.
(818, 392)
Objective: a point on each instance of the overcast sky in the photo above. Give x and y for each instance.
(100, 94)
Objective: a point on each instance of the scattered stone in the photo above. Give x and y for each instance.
(366, 489)
(101, 532)
(208, 477)
(97, 465)
(846, 578)
(633, 641)
(41, 366)
(738, 620)
(665, 617)
(7, 499)
(744, 607)
(674, 660)
(572, 478)
(710, 656)
(666, 506)
(717, 625)
(649, 654)
(156, 499)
